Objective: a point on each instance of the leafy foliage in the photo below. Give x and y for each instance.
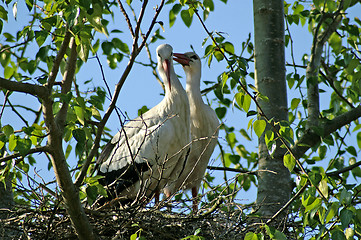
(326, 193)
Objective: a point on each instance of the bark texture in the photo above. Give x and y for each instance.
(273, 188)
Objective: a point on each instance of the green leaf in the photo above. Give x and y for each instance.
(323, 187)
(251, 113)
(251, 236)
(231, 139)
(322, 151)
(345, 217)
(23, 146)
(294, 103)
(173, 14)
(246, 102)
(8, 72)
(68, 151)
(40, 37)
(228, 47)
(337, 234)
(352, 150)
(332, 211)
(289, 162)
(142, 110)
(274, 233)
(12, 142)
(117, 43)
(259, 126)
(3, 13)
(79, 114)
(107, 47)
(7, 130)
(245, 134)
(186, 17)
(208, 4)
(221, 112)
(79, 135)
(29, 4)
(92, 193)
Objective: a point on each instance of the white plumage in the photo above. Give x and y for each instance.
(204, 129)
(150, 150)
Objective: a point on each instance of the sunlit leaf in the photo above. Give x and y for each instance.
(259, 126)
(12, 142)
(289, 162)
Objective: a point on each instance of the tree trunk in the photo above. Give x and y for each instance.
(274, 188)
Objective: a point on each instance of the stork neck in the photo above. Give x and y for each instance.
(193, 87)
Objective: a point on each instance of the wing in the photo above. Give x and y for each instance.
(134, 152)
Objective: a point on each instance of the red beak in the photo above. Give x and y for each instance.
(166, 65)
(181, 58)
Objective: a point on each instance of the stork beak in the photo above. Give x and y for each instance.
(181, 58)
(166, 67)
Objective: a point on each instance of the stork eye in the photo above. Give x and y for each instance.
(158, 55)
(194, 57)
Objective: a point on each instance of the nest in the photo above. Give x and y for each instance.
(164, 221)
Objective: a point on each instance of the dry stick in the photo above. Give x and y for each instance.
(135, 52)
(255, 173)
(287, 204)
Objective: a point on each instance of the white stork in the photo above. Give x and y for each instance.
(204, 129)
(149, 151)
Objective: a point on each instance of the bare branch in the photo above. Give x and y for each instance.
(66, 83)
(126, 18)
(35, 90)
(310, 138)
(346, 169)
(31, 151)
(55, 69)
(255, 173)
(312, 70)
(154, 21)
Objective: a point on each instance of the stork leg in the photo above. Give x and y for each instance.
(195, 199)
(156, 196)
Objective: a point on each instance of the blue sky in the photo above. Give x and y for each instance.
(234, 19)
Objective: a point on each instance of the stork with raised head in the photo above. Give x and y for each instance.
(204, 129)
(149, 151)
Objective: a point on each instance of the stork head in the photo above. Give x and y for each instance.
(165, 62)
(190, 61)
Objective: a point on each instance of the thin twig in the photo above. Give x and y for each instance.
(126, 18)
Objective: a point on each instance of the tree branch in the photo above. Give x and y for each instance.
(55, 69)
(346, 169)
(66, 84)
(255, 173)
(126, 18)
(312, 70)
(35, 90)
(310, 138)
(31, 151)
